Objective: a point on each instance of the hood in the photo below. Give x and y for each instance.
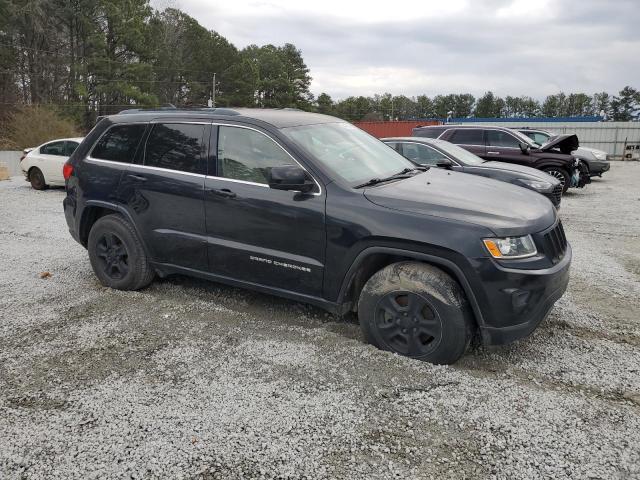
(520, 171)
(565, 143)
(502, 208)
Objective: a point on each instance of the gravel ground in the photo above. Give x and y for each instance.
(189, 379)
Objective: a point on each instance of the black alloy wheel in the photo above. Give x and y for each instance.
(408, 323)
(113, 256)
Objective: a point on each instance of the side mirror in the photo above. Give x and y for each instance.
(444, 163)
(290, 177)
(524, 148)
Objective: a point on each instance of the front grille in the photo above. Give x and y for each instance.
(556, 195)
(555, 243)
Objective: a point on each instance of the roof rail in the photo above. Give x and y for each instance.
(171, 108)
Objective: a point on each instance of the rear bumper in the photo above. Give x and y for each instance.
(518, 301)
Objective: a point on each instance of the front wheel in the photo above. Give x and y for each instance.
(417, 310)
(561, 174)
(117, 255)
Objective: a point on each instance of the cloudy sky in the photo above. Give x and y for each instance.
(512, 47)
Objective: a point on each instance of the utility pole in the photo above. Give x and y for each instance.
(213, 92)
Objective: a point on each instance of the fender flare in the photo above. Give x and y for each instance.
(118, 209)
(435, 260)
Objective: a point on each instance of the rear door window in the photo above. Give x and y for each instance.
(119, 143)
(176, 146)
(498, 138)
(53, 148)
(467, 136)
(70, 147)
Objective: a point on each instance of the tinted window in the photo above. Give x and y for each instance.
(53, 148)
(70, 147)
(119, 144)
(498, 138)
(428, 132)
(421, 154)
(247, 155)
(467, 136)
(175, 146)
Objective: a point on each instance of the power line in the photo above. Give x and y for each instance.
(106, 60)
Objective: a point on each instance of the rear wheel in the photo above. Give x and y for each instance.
(561, 174)
(117, 255)
(416, 310)
(36, 178)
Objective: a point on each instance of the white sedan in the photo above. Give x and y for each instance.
(42, 166)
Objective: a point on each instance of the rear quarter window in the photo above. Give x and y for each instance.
(119, 143)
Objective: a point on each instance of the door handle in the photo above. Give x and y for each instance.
(139, 178)
(223, 192)
(494, 153)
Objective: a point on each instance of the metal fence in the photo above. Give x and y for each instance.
(608, 136)
(11, 159)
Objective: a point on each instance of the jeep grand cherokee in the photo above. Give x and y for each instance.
(311, 208)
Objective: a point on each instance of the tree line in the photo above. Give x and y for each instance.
(622, 107)
(94, 57)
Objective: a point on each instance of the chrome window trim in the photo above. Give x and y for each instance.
(316, 194)
(212, 123)
(143, 167)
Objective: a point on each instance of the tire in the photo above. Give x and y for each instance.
(561, 174)
(117, 256)
(36, 177)
(416, 310)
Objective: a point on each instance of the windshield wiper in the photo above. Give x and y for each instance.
(402, 174)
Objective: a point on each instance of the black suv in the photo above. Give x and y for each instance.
(312, 208)
(507, 145)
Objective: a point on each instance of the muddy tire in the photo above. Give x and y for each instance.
(561, 174)
(417, 310)
(117, 256)
(36, 177)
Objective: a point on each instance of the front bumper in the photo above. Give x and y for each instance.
(517, 301)
(598, 167)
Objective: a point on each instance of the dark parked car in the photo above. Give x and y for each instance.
(595, 160)
(506, 145)
(440, 153)
(312, 208)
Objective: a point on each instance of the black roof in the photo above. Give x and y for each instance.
(277, 117)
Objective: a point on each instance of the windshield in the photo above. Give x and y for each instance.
(347, 151)
(458, 153)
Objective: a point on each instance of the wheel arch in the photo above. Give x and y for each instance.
(372, 259)
(94, 210)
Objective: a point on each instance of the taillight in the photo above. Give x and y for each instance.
(67, 171)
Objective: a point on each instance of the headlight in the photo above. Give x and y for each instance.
(600, 155)
(535, 184)
(511, 247)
